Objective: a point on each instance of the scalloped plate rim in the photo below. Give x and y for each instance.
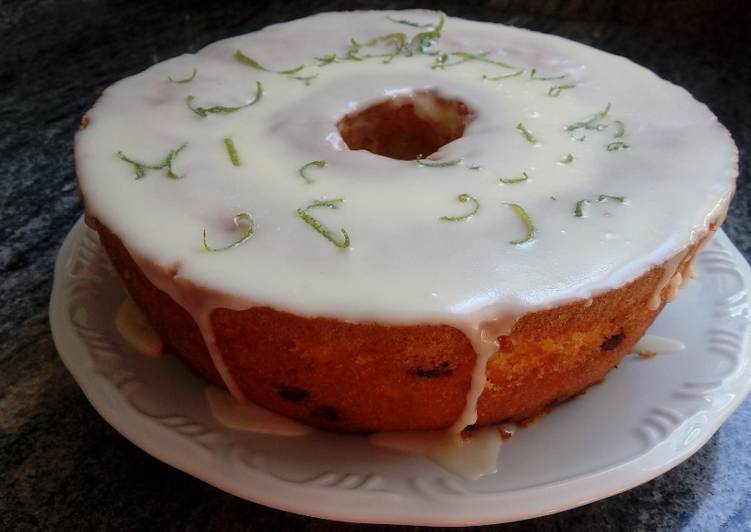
(590, 486)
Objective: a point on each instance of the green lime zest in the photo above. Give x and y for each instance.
(249, 61)
(568, 159)
(465, 57)
(436, 164)
(605, 197)
(327, 59)
(503, 76)
(186, 80)
(512, 180)
(203, 112)
(439, 61)
(402, 44)
(533, 75)
(483, 58)
(303, 168)
(526, 133)
(617, 146)
(591, 123)
(579, 209)
(244, 217)
(399, 40)
(166, 164)
(555, 90)
(353, 52)
(620, 129)
(305, 79)
(329, 204)
(408, 22)
(464, 198)
(604, 112)
(524, 217)
(231, 151)
(327, 233)
(423, 41)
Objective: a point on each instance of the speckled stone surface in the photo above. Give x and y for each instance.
(62, 467)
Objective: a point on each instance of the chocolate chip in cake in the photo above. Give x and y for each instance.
(443, 369)
(612, 342)
(294, 394)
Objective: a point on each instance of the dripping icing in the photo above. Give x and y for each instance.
(136, 330)
(484, 340)
(667, 281)
(199, 307)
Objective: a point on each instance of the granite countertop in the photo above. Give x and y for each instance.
(63, 467)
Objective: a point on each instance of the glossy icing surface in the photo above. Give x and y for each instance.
(404, 264)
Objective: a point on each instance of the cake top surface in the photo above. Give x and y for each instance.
(576, 172)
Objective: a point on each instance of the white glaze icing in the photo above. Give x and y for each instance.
(199, 305)
(136, 330)
(249, 417)
(657, 345)
(674, 286)
(691, 272)
(667, 280)
(470, 457)
(404, 265)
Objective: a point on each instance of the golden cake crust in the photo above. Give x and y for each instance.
(374, 377)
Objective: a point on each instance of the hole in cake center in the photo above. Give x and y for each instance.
(406, 127)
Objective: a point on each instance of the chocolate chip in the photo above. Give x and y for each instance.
(612, 342)
(294, 394)
(327, 412)
(443, 369)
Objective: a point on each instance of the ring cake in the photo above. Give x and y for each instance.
(377, 221)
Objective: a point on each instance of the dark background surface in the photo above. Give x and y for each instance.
(62, 467)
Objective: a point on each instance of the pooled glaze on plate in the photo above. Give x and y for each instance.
(248, 417)
(404, 265)
(136, 329)
(657, 345)
(471, 456)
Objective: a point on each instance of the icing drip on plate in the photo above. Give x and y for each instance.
(471, 456)
(651, 345)
(136, 330)
(250, 418)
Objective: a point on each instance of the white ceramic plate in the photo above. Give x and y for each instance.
(649, 416)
